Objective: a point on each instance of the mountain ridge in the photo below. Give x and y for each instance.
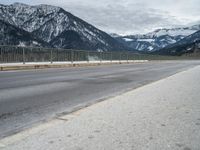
(12, 35)
(48, 23)
(157, 39)
(189, 44)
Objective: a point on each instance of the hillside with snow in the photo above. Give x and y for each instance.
(57, 27)
(189, 44)
(158, 39)
(12, 35)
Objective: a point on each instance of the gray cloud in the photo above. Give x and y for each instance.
(125, 20)
(129, 16)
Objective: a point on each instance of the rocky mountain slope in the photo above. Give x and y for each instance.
(158, 39)
(58, 27)
(189, 44)
(11, 35)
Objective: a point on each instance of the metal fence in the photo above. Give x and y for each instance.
(14, 54)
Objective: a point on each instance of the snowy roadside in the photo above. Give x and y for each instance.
(162, 115)
(43, 65)
(69, 62)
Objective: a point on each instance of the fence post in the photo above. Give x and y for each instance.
(13, 54)
(88, 55)
(23, 56)
(51, 57)
(127, 56)
(72, 56)
(111, 56)
(7, 57)
(119, 57)
(139, 56)
(1, 55)
(100, 56)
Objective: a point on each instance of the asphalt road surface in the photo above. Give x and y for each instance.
(30, 97)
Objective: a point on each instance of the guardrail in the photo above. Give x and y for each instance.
(13, 54)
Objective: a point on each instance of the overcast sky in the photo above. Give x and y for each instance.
(128, 16)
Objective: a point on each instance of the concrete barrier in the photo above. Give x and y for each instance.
(28, 66)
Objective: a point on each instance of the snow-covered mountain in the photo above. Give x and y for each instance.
(189, 44)
(11, 35)
(57, 27)
(158, 39)
(185, 31)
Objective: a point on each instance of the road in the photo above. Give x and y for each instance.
(163, 115)
(30, 97)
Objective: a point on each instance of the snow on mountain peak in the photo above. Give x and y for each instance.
(53, 25)
(41, 6)
(196, 27)
(17, 4)
(173, 32)
(27, 17)
(159, 38)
